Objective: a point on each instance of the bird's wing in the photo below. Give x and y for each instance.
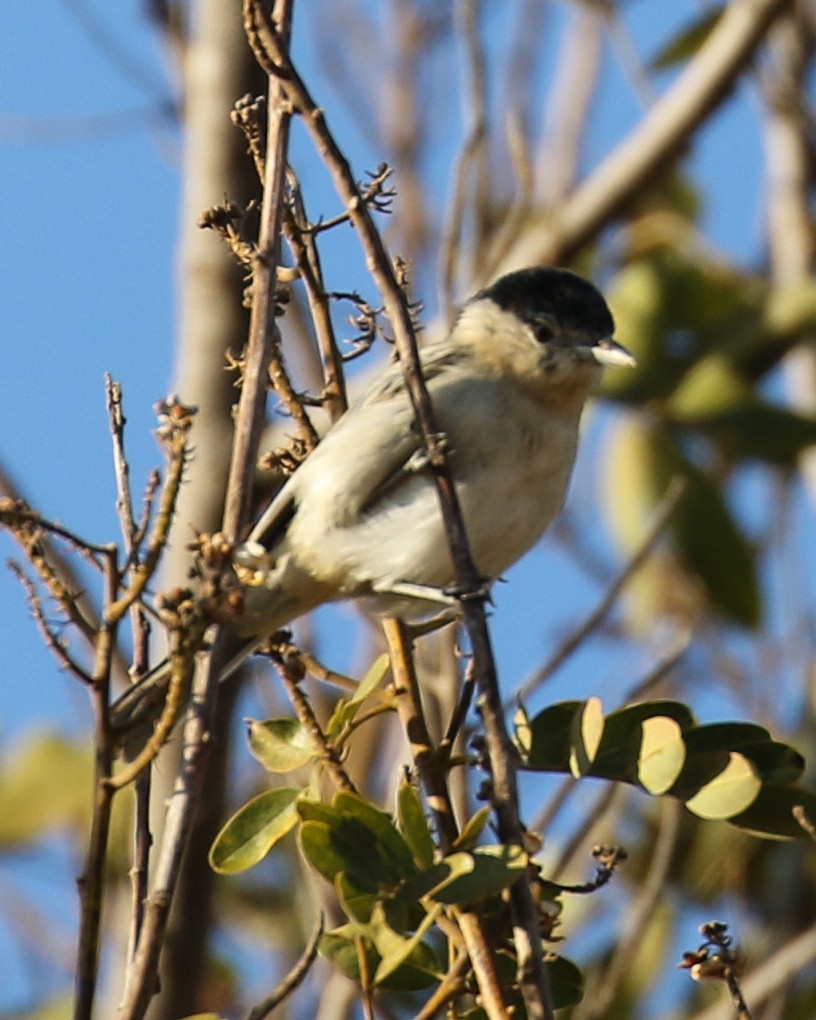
(272, 522)
(366, 453)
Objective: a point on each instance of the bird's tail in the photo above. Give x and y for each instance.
(142, 702)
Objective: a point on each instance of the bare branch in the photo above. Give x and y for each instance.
(292, 979)
(663, 131)
(49, 634)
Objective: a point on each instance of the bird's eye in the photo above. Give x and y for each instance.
(543, 330)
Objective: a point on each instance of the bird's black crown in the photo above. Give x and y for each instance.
(545, 295)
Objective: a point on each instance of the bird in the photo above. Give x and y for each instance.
(360, 518)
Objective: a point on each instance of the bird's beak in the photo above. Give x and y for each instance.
(611, 354)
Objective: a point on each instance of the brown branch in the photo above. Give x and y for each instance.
(432, 776)
(92, 881)
(15, 507)
(529, 951)
(408, 700)
(263, 331)
(307, 259)
(471, 162)
(290, 670)
(174, 431)
(569, 103)
(50, 637)
(663, 132)
(249, 422)
(180, 669)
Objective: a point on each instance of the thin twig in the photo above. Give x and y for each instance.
(290, 981)
(248, 425)
(598, 1001)
(532, 972)
(307, 259)
(50, 637)
(451, 985)
(663, 514)
(176, 439)
(92, 883)
(775, 973)
(121, 468)
(291, 676)
(409, 707)
(263, 330)
(432, 776)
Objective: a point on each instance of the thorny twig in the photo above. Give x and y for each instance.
(49, 632)
(307, 260)
(532, 975)
(292, 671)
(263, 337)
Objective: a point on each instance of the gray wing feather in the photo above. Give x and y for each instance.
(369, 451)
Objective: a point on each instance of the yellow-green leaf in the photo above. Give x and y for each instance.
(662, 754)
(253, 830)
(280, 745)
(586, 731)
(729, 793)
(414, 824)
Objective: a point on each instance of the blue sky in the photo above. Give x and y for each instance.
(89, 221)
(89, 224)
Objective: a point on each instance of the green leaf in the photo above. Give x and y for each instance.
(466, 878)
(357, 903)
(420, 970)
(621, 748)
(662, 754)
(566, 982)
(586, 731)
(395, 950)
(354, 837)
(724, 736)
(770, 814)
(414, 824)
(253, 830)
(472, 829)
(775, 763)
(280, 745)
(44, 786)
(730, 792)
(711, 544)
(340, 946)
(549, 737)
(347, 709)
(687, 41)
(345, 847)
(759, 431)
(392, 846)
